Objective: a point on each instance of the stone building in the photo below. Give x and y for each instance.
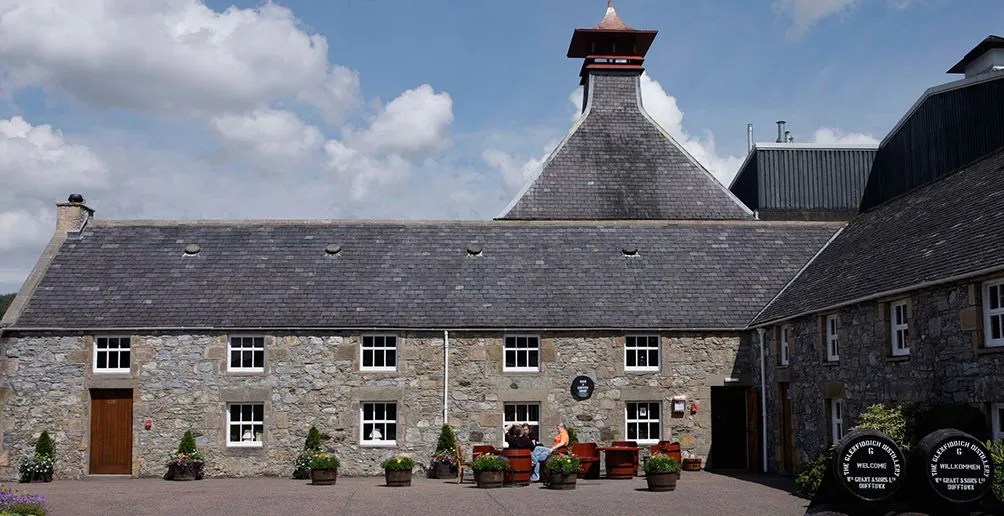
(906, 303)
(624, 261)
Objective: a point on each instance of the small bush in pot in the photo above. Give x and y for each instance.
(312, 445)
(561, 471)
(444, 460)
(662, 472)
(187, 463)
(324, 469)
(397, 470)
(489, 470)
(38, 467)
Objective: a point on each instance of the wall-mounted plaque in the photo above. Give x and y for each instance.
(582, 387)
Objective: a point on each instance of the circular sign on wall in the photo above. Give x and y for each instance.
(582, 387)
(869, 465)
(957, 465)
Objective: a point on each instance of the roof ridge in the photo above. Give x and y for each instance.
(107, 223)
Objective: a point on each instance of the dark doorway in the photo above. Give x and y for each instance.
(111, 431)
(787, 429)
(729, 428)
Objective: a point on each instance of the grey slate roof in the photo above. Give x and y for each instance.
(618, 165)
(949, 228)
(531, 275)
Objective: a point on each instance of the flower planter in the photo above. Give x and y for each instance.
(323, 477)
(442, 470)
(561, 481)
(397, 478)
(489, 479)
(662, 481)
(691, 464)
(37, 478)
(184, 472)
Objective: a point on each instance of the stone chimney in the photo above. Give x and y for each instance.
(72, 215)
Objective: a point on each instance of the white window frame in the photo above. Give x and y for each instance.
(243, 350)
(648, 419)
(374, 349)
(784, 349)
(646, 349)
(836, 419)
(506, 422)
(899, 328)
(517, 350)
(997, 420)
(108, 351)
(991, 315)
(832, 338)
(241, 422)
(365, 440)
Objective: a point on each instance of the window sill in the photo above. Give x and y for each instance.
(245, 372)
(641, 370)
(897, 358)
(253, 444)
(989, 350)
(782, 366)
(381, 371)
(521, 371)
(114, 373)
(379, 444)
(831, 363)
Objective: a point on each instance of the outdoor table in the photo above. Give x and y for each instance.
(620, 461)
(520, 466)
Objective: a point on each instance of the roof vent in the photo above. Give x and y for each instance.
(192, 249)
(630, 251)
(333, 249)
(75, 198)
(474, 250)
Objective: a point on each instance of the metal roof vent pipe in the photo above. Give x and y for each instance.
(788, 138)
(749, 138)
(780, 131)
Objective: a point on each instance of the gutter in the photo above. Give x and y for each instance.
(446, 376)
(763, 401)
(740, 329)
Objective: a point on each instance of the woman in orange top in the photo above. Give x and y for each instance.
(541, 453)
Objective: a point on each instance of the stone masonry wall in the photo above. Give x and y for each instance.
(947, 363)
(181, 382)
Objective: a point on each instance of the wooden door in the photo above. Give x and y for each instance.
(111, 431)
(787, 429)
(753, 448)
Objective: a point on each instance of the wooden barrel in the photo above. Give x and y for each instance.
(868, 466)
(520, 466)
(561, 481)
(956, 466)
(589, 455)
(620, 464)
(630, 444)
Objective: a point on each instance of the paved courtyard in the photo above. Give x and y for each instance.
(697, 493)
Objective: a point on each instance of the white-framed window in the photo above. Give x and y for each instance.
(378, 423)
(643, 421)
(783, 345)
(247, 354)
(899, 328)
(522, 414)
(993, 313)
(836, 419)
(247, 424)
(522, 353)
(832, 329)
(997, 418)
(641, 353)
(378, 353)
(112, 354)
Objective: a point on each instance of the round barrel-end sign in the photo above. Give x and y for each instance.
(957, 465)
(582, 387)
(869, 465)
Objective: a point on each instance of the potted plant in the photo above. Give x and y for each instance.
(301, 466)
(397, 470)
(662, 472)
(323, 469)
(561, 471)
(187, 463)
(444, 460)
(489, 470)
(38, 467)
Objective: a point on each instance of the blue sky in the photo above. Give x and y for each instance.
(412, 109)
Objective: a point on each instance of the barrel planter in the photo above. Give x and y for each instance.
(489, 479)
(620, 464)
(956, 468)
(589, 454)
(398, 478)
(520, 467)
(662, 481)
(691, 464)
(323, 477)
(868, 467)
(561, 481)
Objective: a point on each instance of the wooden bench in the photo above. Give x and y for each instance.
(631, 444)
(479, 450)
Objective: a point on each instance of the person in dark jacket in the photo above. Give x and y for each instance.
(517, 440)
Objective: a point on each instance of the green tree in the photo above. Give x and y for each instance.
(447, 440)
(187, 443)
(5, 301)
(313, 441)
(45, 446)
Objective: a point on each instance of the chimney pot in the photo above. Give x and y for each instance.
(749, 138)
(780, 131)
(787, 137)
(72, 215)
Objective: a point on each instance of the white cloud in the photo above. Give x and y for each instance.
(805, 13)
(414, 123)
(826, 135)
(515, 172)
(170, 56)
(268, 133)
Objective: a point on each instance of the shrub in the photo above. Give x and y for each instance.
(997, 456)
(187, 445)
(447, 440)
(45, 446)
(313, 441)
(312, 445)
(661, 463)
(399, 463)
(35, 466)
(573, 436)
(489, 462)
(563, 464)
(808, 480)
(19, 503)
(324, 460)
(888, 419)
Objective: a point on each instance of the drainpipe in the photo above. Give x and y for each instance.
(446, 375)
(763, 401)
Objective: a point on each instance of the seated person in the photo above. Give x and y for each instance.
(518, 438)
(541, 453)
(528, 433)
